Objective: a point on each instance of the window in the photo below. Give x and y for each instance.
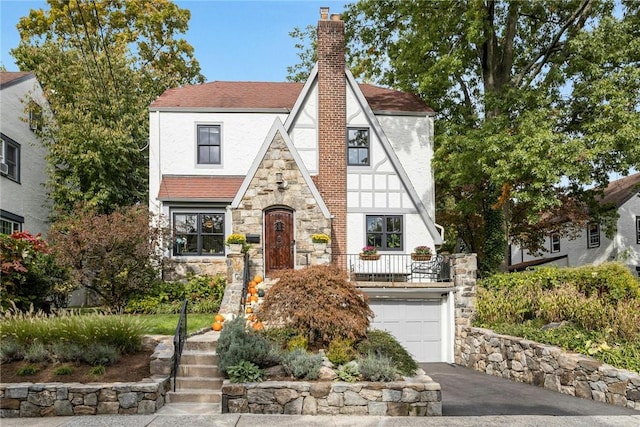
(198, 233)
(593, 235)
(10, 158)
(35, 116)
(358, 147)
(385, 232)
(555, 242)
(638, 230)
(208, 144)
(10, 222)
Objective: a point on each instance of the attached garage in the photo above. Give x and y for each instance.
(420, 319)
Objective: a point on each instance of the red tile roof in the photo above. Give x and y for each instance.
(269, 95)
(10, 76)
(203, 188)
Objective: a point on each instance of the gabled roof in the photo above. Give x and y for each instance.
(621, 190)
(8, 78)
(274, 96)
(199, 188)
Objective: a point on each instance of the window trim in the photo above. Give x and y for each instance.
(5, 141)
(591, 241)
(385, 232)
(199, 233)
(197, 157)
(357, 128)
(553, 237)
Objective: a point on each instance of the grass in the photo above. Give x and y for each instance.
(165, 324)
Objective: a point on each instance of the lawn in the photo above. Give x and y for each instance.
(165, 324)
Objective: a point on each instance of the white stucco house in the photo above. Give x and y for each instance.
(279, 162)
(592, 246)
(24, 205)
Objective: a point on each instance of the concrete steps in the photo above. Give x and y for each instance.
(198, 380)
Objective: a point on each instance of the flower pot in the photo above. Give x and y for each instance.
(417, 257)
(319, 247)
(370, 257)
(235, 248)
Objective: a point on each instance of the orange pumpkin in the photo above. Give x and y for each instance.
(258, 278)
(258, 326)
(253, 298)
(252, 284)
(219, 318)
(249, 310)
(253, 291)
(217, 326)
(253, 317)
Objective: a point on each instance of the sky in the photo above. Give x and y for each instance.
(233, 40)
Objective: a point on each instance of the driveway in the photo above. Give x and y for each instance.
(466, 392)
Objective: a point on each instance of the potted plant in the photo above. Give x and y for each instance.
(421, 253)
(236, 242)
(320, 241)
(369, 253)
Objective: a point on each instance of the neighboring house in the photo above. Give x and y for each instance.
(280, 162)
(592, 246)
(24, 205)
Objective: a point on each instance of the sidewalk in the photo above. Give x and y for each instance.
(246, 420)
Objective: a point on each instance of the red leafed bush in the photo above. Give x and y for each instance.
(320, 303)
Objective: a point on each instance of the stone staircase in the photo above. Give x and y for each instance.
(198, 380)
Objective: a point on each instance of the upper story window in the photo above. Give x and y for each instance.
(593, 235)
(555, 242)
(638, 230)
(198, 233)
(385, 232)
(358, 148)
(10, 158)
(35, 116)
(209, 144)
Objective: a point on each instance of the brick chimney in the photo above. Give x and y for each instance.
(332, 128)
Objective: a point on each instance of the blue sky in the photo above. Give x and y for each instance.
(233, 40)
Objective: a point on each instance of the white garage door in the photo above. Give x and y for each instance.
(416, 324)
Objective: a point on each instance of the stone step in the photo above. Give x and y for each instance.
(199, 358)
(200, 383)
(206, 371)
(200, 344)
(194, 396)
(190, 409)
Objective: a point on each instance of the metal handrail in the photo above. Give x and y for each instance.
(398, 268)
(179, 339)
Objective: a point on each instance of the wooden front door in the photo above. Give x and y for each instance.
(278, 239)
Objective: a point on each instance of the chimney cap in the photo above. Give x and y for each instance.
(324, 13)
(335, 17)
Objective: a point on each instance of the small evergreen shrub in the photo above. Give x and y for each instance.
(10, 351)
(27, 370)
(383, 344)
(36, 353)
(299, 341)
(302, 365)
(341, 351)
(101, 354)
(280, 336)
(67, 352)
(237, 344)
(245, 372)
(63, 370)
(348, 373)
(374, 367)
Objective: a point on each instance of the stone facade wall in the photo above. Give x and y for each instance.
(58, 399)
(401, 398)
(464, 268)
(546, 366)
(263, 193)
(211, 266)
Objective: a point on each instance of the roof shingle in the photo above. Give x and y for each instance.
(209, 188)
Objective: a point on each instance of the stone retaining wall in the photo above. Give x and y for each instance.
(546, 366)
(419, 397)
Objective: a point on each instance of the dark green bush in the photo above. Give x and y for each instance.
(280, 336)
(300, 364)
(237, 344)
(376, 367)
(382, 343)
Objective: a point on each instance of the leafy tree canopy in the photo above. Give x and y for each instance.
(536, 101)
(101, 63)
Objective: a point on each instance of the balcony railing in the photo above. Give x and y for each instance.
(398, 268)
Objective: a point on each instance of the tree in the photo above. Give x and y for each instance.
(117, 255)
(101, 63)
(536, 100)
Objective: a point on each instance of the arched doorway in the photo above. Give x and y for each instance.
(279, 239)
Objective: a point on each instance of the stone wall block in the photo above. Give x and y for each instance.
(309, 406)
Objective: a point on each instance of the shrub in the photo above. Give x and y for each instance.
(299, 341)
(348, 373)
(320, 302)
(383, 344)
(10, 350)
(375, 367)
(63, 370)
(67, 352)
(280, 336)
(300, 364)
(244, 372)
(101, 354)
(36, 353)
(341, 351)
(97, 370)
(237, 344)
(27, 370)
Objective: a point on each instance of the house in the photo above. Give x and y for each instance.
(591, 246)
(279, 162)
(24, 205)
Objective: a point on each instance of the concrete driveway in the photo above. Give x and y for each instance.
(466, 392)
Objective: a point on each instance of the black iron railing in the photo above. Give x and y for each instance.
(398, 268)
(245, 281)
(179, 339)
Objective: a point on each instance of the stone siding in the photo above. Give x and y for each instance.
(546, 366)
(419, 397)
